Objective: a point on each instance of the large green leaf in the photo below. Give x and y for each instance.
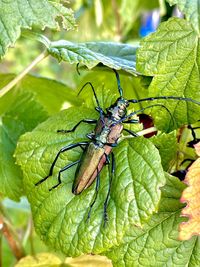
(26, 13)
(167, 146)
(114, 55)
(172, 56)
(23, 115)
(59, 216)
(51, 94)
(190, 9)
(157, 243)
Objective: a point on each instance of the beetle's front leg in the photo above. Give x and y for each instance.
(89, 121)
(96, 194)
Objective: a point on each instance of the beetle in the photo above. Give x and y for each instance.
(98, 151)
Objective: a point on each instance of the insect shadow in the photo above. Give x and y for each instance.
(97, 152)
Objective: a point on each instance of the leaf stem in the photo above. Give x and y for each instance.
(19, 77)
(147, 131)
(31, 238)
(14, 245)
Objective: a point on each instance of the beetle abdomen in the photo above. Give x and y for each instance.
(90, 160)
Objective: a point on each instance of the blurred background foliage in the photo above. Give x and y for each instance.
(124, 21)
(97, 20)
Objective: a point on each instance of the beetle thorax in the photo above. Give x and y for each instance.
(119, 109)
(102, 137)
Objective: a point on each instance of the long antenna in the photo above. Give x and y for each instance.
(164, 97)
(142, 109)
(97, 101)
(118, 83)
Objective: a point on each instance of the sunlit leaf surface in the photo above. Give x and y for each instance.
(19, 14)
(172, 56)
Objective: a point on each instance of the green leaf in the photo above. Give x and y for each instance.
(190, 9)
(59, 216)
(157, 243)
(113, 55)
(167, 146)
(172, 56)
(171, 194)
(51, 94)
(24, 114)
(26, 13)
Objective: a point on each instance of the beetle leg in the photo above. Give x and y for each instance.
(62, 170)
(105, 215)
(89, 121)
(107, 159)
(195, 139)
(110, 144)
(83, 148)
(130, 132)
(54, 162)
(77, 69)
(96, 193)
(100, 110)
(131, 121)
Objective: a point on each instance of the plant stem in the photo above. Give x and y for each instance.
(9, 234)
(14, 245)
(31, 238)
(147, 131)
(19, 77)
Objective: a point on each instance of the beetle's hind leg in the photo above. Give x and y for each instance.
(89, 121)
(56, 158)
(62, 170)
(97, 186)
(96, 194)
(105, 214)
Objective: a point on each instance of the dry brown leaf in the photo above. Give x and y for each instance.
(191, 196)
(197, 148)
